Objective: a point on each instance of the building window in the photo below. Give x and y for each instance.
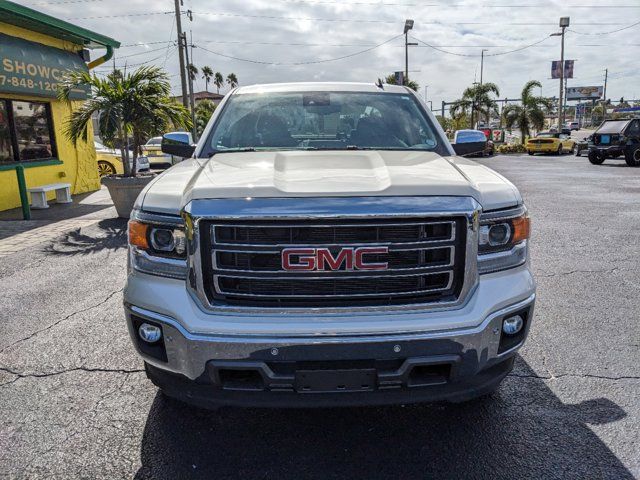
(26, 131)
(6, 149)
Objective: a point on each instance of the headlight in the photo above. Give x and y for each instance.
(502, 240)
(158, 249)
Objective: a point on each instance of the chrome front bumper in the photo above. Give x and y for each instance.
(188, 353)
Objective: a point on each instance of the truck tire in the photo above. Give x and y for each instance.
(576, 150)
(596, 157)
(559, 152)
(632, 156)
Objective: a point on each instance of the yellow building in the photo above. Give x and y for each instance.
(35, 51)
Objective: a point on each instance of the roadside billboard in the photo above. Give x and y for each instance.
(584, 93)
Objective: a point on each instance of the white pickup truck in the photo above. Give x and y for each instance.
(324, 245)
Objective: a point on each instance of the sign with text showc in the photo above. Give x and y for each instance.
(31, 68)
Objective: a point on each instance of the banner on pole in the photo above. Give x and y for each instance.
(568, 69)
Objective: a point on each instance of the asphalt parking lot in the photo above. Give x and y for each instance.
(75, 402)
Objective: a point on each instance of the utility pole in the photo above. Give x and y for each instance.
(191, 99)
(408, 25)
(564, 23)
(183, 78)
(482, 63)
(604, 95)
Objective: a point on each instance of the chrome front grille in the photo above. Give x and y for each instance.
(242, 261)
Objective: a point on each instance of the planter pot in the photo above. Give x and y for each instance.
(125, 190)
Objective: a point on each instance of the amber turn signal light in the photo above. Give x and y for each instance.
(138, 234)
(521, 228)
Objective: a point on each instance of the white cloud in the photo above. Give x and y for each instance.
(243, 29)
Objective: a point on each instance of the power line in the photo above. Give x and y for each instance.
(605, 33)
(127, 65)
(144, 44)
(144, 14)
(261, 62)
(66, 1)
(371, 20)
(450, 5)
(476, 55)
(142, 53)
(346, 20)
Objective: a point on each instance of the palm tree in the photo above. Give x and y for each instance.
(391, 80)
(530, 113)
(218, 81)
(204, 110)
(478, 99)
(193, 71)
(130, 107)
(207, 74)
(232, 80)
(460, 108)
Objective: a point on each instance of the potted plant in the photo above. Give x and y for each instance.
(130, 107)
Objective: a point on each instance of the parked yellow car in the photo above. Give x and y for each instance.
(550, 142)
(110, 161)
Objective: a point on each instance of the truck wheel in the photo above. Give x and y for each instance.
(559, 152)
(596, 157)
(576, 150)
(530, 153)
(632, 156)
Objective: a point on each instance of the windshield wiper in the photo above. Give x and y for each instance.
(232, 150)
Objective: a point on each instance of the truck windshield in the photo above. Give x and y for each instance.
(323, 121)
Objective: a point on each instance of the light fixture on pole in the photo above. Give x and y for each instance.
(408, 25)
(564, 23)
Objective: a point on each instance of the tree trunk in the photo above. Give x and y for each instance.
(125, 155)
(134, 163)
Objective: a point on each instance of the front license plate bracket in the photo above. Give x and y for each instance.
(335, 381)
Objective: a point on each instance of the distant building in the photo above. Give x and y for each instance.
(199, 96)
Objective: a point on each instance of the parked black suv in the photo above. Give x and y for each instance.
(615, 138)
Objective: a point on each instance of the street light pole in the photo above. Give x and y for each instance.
(192, 105)
(183, 78)
(564, 23)
(408, 25)
(482, 63)
(604, 95)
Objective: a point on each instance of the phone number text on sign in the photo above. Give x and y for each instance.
(28, 83)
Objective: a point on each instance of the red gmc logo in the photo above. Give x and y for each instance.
(307, 259)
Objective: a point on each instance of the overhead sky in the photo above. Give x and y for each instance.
(265, 41)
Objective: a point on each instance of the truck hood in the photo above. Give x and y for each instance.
(326, 174)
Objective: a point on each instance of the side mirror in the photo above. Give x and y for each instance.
(179, 144)
(469, 148)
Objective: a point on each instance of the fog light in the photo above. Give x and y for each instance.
(512, 325)
(149, 333)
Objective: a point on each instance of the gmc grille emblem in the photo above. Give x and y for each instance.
(351, 258)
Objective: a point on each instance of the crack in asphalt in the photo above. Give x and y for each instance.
(573, 375)
(57, 322)
(141, 370)
(572, 272)
(61, 372)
